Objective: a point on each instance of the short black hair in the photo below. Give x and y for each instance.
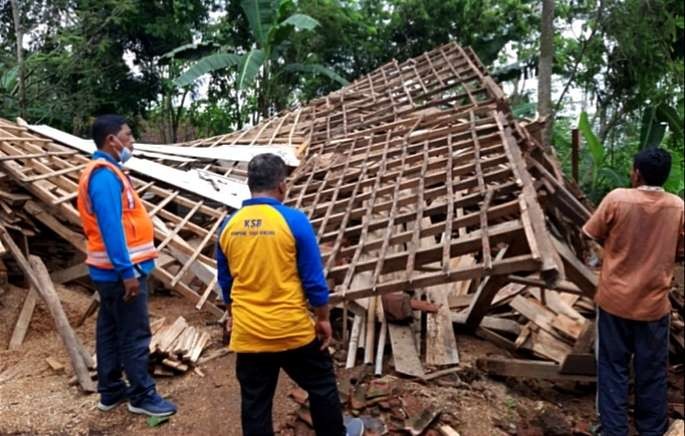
(104, 126)
(654, 165)
(265, 172)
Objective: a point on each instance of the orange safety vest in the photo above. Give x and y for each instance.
(138, 228)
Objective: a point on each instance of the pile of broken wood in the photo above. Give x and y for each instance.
(176, 347)
(437, 212)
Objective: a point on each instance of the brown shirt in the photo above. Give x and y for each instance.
(642, 231)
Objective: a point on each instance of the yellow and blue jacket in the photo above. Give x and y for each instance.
(269, 265)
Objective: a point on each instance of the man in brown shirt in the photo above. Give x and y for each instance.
(641, 230)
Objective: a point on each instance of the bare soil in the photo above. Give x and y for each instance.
(36, 400)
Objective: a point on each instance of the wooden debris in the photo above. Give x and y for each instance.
(528, 369)
(221, 352)
(54, 364)
(677, 428)
(446, 430)
(405, 356)
(22, 325)
(176, 346)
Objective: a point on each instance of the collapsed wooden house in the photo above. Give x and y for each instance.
(419, 182)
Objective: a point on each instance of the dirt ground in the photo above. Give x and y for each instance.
(36, 400)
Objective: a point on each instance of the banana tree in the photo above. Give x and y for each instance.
(652, 130)
(655, 120)
(601, 170)
(272, 23)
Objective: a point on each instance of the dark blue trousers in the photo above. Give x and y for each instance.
(647, 342)
(123, 341)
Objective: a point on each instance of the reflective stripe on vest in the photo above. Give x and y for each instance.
(137, 255)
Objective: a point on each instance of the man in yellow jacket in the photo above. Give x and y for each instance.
(269, 268)
(120, 256)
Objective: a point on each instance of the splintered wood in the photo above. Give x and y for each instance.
(176, 347)
(51, 176)
(436, 211)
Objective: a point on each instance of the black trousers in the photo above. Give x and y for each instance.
(310, 367)
(647, 342)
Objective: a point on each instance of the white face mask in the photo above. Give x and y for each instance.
(125, 153)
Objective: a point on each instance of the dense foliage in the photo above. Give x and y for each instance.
(189, 68)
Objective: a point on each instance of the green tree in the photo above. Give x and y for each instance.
(271, 23)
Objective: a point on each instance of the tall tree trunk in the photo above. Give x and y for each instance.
(545, 69)
(19, 34)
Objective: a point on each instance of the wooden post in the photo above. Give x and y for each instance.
(39, 278)
(575, 153)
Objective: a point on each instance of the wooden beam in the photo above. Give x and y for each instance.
(561, 286)
(22, 325)
(488, 288)
(495, 338)
(579, 364)
(69, 274)
(504, 366)
(577, 271)
(404, 352)
(503, 268)
(441, 344)
(38, 276)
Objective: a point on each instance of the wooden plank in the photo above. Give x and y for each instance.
(508, 367)
(552, 267)
(199, 249)
(496, 339)
(54, 364)
(459, 301)
(558, 303)
(535, 312)
(353, 344)
(69, 274)
(547, 346)
(171, 334)
(546, 319)
(577, 271)
(380, 350)
(199, 347)
(586, 339)
(441, 344)
(22, 325)
(370, 337)
(501, 325)
(561, 286)
(404, 352)
(499, 269)
(37, 211)
(571, 328)
(507, 293)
